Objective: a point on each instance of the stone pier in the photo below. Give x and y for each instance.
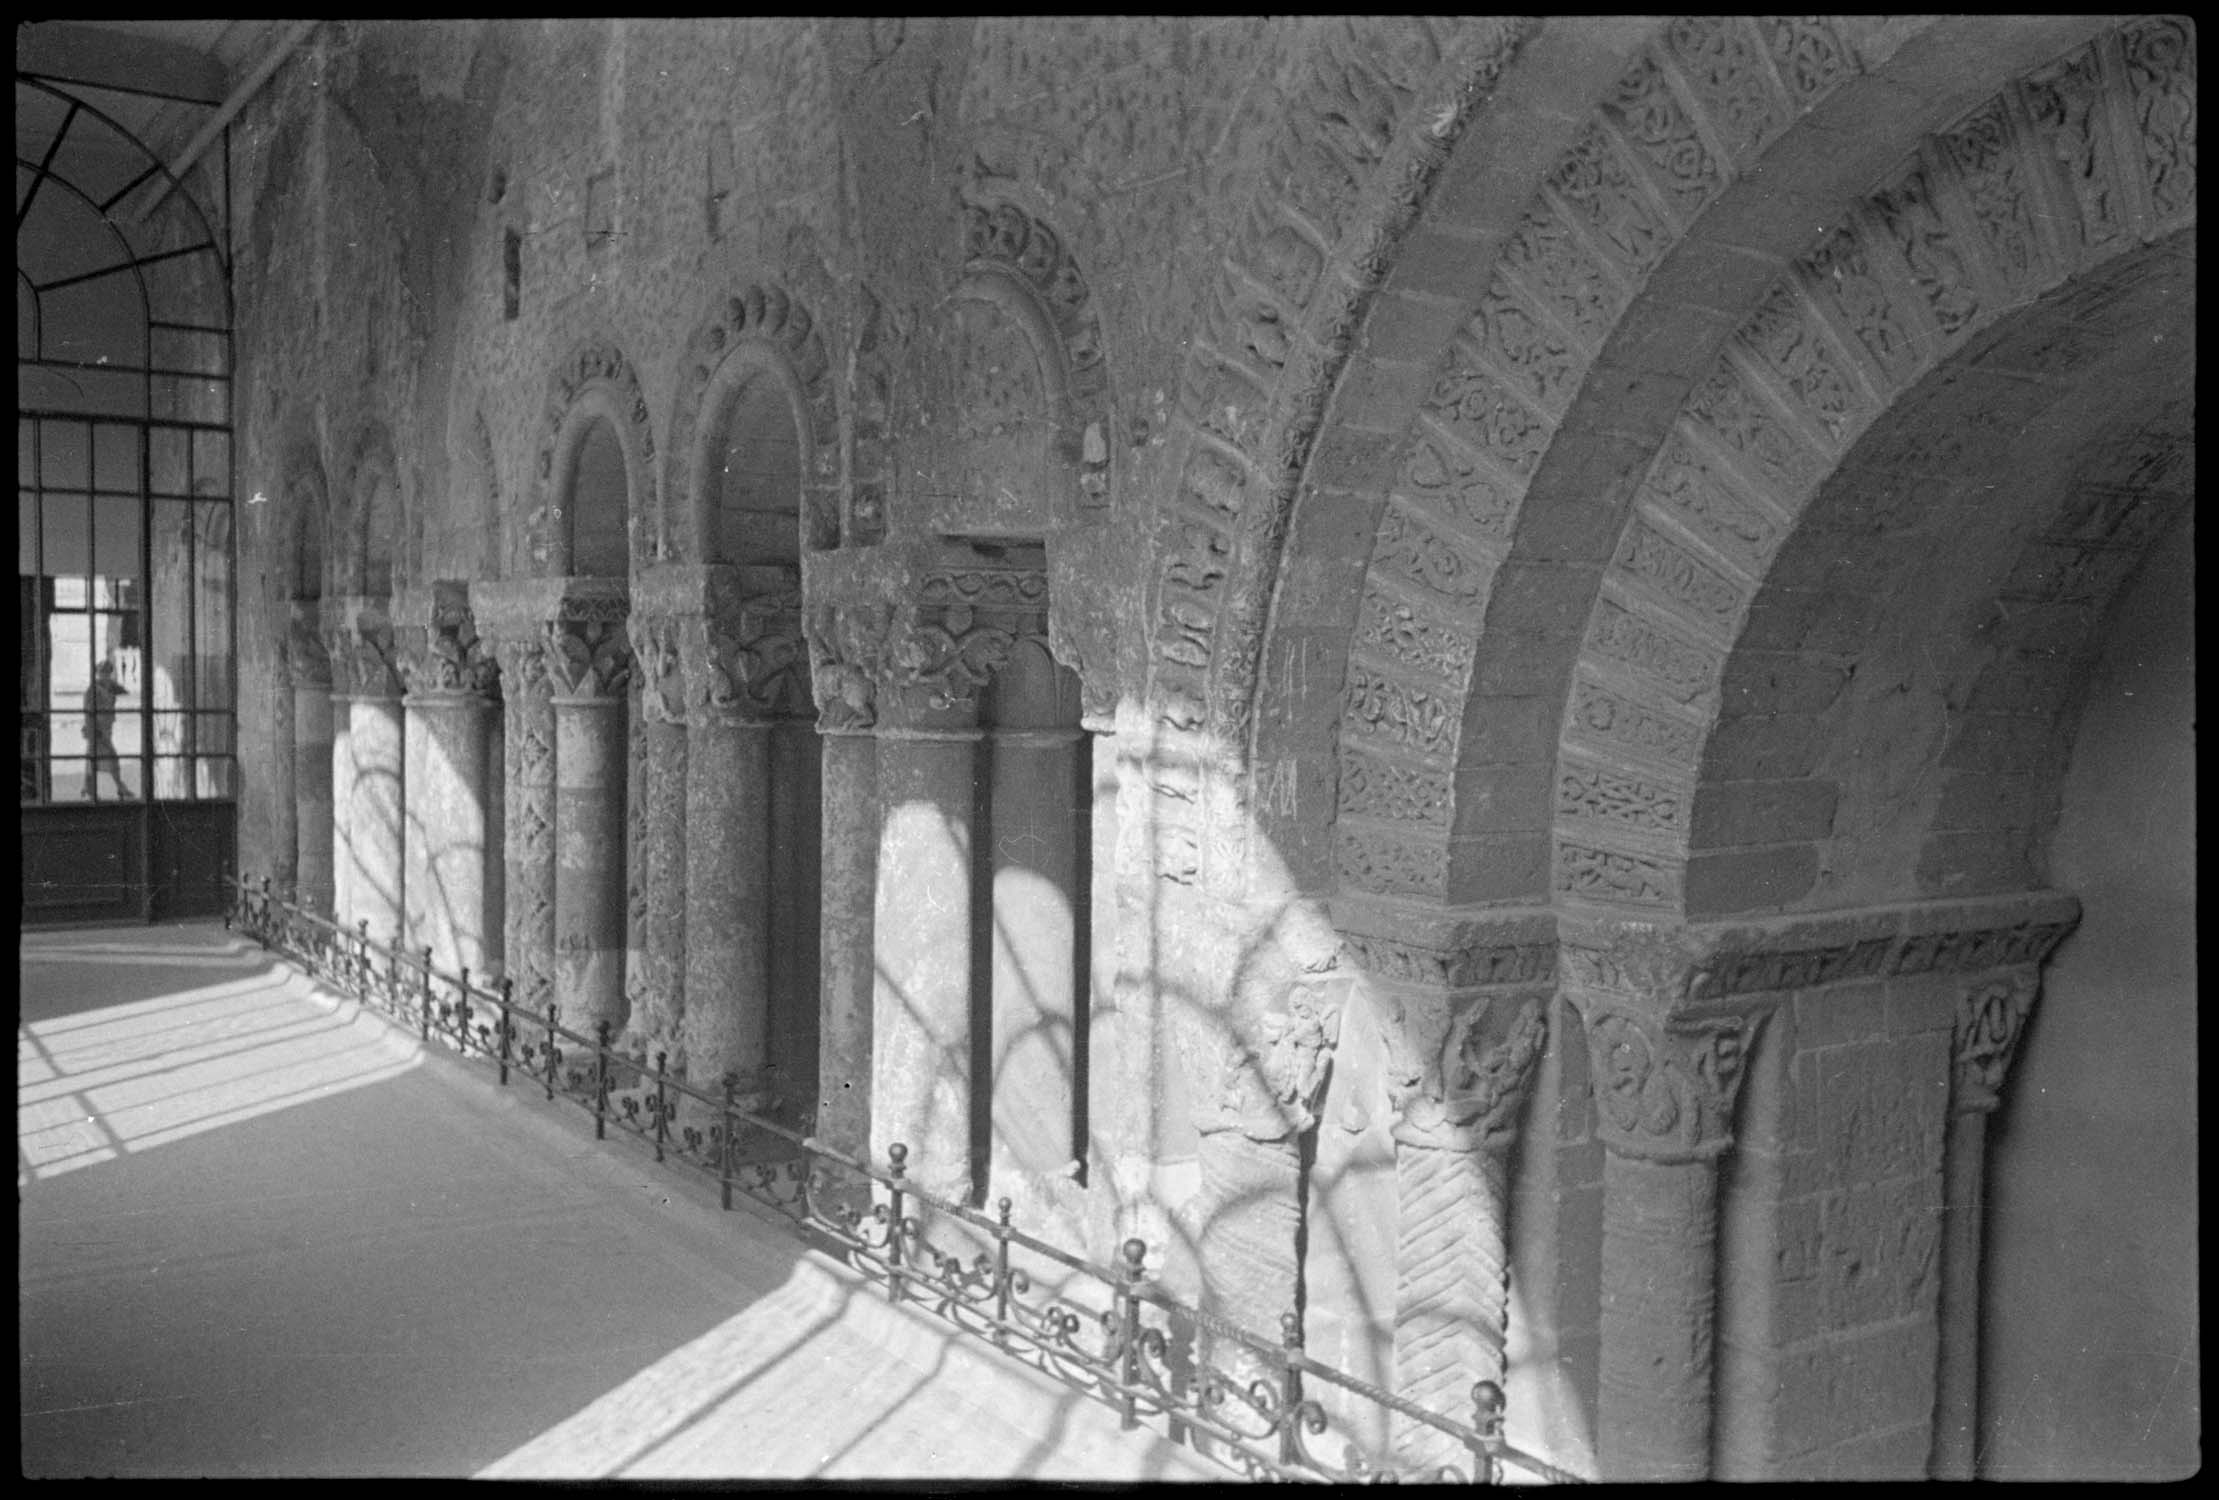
(453, 874)
(589, 666)
(312, 762)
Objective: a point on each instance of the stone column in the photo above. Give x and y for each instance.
(452, 877)
(659, 988)
(1035, 997)
(727, 867)
(1991, 1017)
(1458, 1080)
(368, 870)
(312, 763)
(590, 668)
(1665, 1083)
(923, 942)
(341, 654)
(1247, 1212)
(528, 817)
(846, 946)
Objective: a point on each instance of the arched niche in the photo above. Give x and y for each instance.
(755, 440)
(593, 485)
(370, 539)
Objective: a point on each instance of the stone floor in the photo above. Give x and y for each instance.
(263, 1233)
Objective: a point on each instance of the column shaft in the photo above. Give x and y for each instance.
(849, 874)
(656, 1023)
(727, 874)
(921, 930)
(450, 880)
(1658, 1278)
(341, 832)
(1957, 1373)
(590, 774)
(378, 749)
(1035, 1000)
(528, 825)
(312, 767)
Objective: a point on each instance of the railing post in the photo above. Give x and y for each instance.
(1487, 1410)
(393, 956)
(1001, 1270)
(1128, 1320)
(1290, 1389)
(662, 1105)
(462, 1010)
(897, 1159)
(554, 1053)
(362, 958)
(423, 1000)
(508, 1027)
(724, 1155)
(600, 1080)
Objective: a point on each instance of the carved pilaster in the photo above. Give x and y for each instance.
(528, 757)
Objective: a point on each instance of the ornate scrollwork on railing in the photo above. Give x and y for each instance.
(1108, 1333)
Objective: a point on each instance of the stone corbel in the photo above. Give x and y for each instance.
(1991, 1018)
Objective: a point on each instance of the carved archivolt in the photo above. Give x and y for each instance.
(774, 326)
(1001, 237)
(593, 379)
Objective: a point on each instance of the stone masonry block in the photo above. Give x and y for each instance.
(1971, 864)
(1973, 800)
(1320, 591)
(1882, 1107)
(1853, 1012)
(1833, 1390)
(1379, 394)
(1353, 458)
(1499, 867)
(1401, 323)
(1998, 743)
(2020, 684)
(1769, 682)
(1750, 879)
(1733, 813)
(1922, 1004)
(1766, 747)
(1546, 599)
(1499, 729)
(1521, 662)
(1880, 1251)
(1503, 799)
(1434, 261)
(1899, 1453)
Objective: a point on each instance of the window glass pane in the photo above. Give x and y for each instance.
(129, 731)
(212, 462)
(215, 778)
(26, 452)
(27, 536)
(115, 459)
(65, 463)
(167, 471)
(115, 536)
(66, 780)
(97, 322)
(70, 593)
(169, 605)
(31, 756)
(213, 734)
(68, 532)
(188, 349)
(68, 674)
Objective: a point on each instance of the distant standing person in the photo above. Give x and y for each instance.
(100, 720)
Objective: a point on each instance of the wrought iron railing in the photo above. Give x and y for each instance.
(1109, 1333)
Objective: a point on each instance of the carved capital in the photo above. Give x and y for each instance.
(310, 659)
(587, 654)
(655, 656)
(749, 664)
(1458, 1073)
(523, 666)
(846, 648)
(1647, 963)
(1665, 1086)
(1274, 1095)
(442, 652)
(1991, 1017)
(361, 651)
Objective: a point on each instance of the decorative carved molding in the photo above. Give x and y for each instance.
(1991, 1017)
(927, 627)
(593, 364)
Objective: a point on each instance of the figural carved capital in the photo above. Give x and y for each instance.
(1665, 1086)
(746, 665)
(1271, 1092)
(1458, 1072)
(1991, 1017)
(655, 656)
